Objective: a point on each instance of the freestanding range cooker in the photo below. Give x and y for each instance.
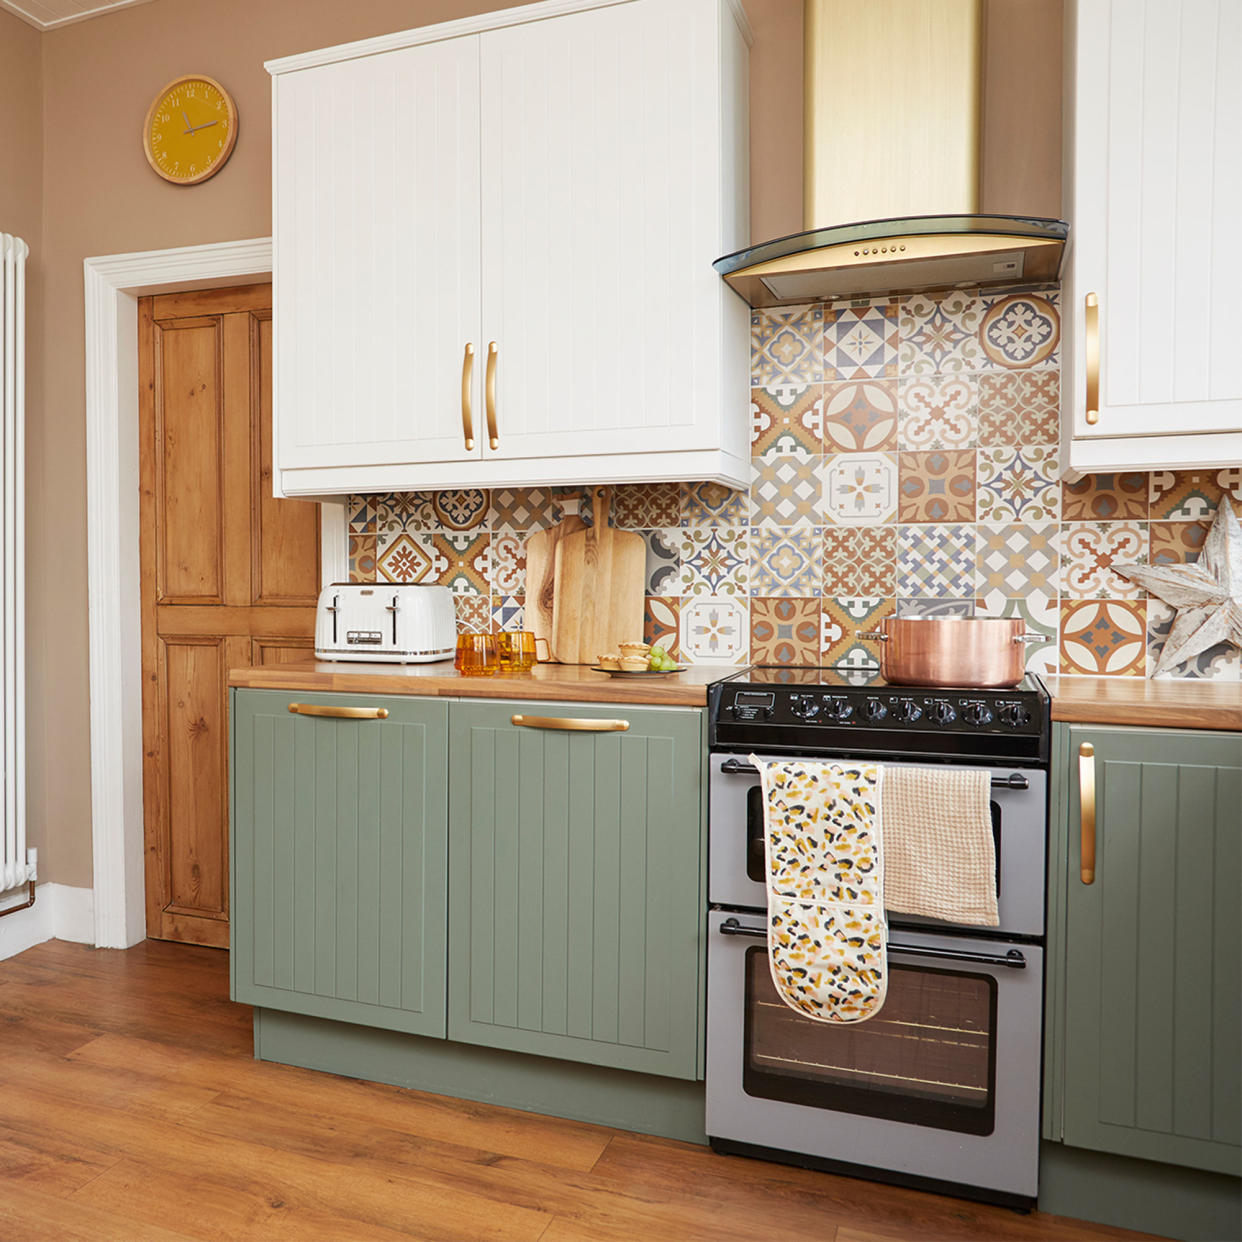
(941, 1088)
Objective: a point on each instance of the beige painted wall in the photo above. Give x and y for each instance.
(101, 198)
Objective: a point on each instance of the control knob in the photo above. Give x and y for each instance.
(940, 711)
(804, 706)
(837, 709)
(874, 709)
(1015, 715)
(977, 713)
(905, 709)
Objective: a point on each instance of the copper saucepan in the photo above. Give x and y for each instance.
(975, 652)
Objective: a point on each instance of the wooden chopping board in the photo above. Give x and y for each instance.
(540, 564)
(597, 589)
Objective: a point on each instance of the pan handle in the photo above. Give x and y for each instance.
(1030, 638)
(878, 635)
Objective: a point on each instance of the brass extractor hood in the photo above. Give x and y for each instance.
(893, 113)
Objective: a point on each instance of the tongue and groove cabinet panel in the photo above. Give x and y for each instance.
(576, 913)
(339, 859)
(1145, 1012)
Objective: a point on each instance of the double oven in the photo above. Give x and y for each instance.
(941, 1088)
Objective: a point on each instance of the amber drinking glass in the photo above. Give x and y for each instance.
(519, 651)
(476, 655)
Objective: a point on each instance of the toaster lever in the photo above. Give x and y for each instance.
(393, 607)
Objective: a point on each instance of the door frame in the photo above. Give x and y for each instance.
(113, 285)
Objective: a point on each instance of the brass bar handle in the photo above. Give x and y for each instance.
(1091, 337)
(339, 713)
(467, 410)
(492, 351)
(573, 724)
(1086, 800)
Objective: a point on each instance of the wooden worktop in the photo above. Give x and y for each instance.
(1186, 703)
(567, 682)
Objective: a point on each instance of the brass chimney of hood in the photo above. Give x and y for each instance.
(900, 109)
(893, 115)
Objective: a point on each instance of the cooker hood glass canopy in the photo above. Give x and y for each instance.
(896, 256)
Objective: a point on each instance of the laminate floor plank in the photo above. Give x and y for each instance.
(132, 1110)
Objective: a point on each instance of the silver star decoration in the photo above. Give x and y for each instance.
(1207, 594)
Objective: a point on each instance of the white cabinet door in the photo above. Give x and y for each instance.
(602, 174)
(1157, 183)
(376, 225)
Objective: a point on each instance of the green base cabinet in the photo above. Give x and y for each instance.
(339, 859)
(1144, 1039)
(576, 910)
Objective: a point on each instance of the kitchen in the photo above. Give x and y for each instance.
(705, 543)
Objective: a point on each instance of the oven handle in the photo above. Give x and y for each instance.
(1015, 780)
(1013, 959)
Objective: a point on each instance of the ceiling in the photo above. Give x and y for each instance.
(48, 14)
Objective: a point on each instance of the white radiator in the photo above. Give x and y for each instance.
(15, 869)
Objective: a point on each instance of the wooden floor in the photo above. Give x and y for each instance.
(131, 1110)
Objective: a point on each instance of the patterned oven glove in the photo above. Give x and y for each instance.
(825, 877)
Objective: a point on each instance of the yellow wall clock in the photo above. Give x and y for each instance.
(190, 131)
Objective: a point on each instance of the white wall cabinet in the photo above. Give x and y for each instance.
(1154, 179)
(545, 186)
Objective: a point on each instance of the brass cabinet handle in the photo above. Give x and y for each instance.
(1091, 335)
(574, 723)
(467, 412)
(1086, 800)
(492, 351)
(339, 713)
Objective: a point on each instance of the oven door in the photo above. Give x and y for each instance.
(942, 1084)
(1019, 813)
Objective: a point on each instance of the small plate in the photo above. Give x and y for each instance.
(649, 672)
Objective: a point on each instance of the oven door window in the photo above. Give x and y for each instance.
(928, 1058)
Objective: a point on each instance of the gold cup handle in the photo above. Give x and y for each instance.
(490, 384)
(573, 724)
(467, 410)
(547, 646)
(1091, 342)
(339, 713)
(1086, 800)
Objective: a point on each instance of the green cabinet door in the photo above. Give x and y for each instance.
(1145, 1004)
(576, 907)
(339, 859)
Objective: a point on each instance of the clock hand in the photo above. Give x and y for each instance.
(188, 128)
(205, 125)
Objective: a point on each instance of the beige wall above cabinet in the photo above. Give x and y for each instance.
(1153, 179)
(493, 249)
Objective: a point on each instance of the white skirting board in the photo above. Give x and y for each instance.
(60, 912)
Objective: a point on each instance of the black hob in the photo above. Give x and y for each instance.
(848, 710)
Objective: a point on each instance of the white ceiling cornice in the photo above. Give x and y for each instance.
(49, 14)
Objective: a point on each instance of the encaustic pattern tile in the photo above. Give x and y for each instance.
(860, 561)
(467, 561)
(663, 561)
(1021, 331)
(940, 334)
(521, 508)
(714, 630)
(1104, 636)
(786, 347)
(1018, 484)
(936, 561)
(784, 631)
(1019, 407)
(404, 557)
(860, 416)
(715, 560)
(1014, 560)
(787, 419)
(937, 487)
(860, 488)
(841, 621)
(644, 506)
(362, 551)
(661, 619)
(712, 504)
(939, 412)
(461, 508)
(785, 562)
(861, 342)
(784, 489)
(1186, 495)
(1090, 549)
(1105, 498)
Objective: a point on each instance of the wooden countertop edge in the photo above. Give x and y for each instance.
(1179, 704)
(544, 689)
(1219, 718)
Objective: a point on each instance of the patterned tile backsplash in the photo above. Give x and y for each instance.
(905, 457)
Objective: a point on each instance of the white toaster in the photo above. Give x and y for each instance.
(394, 622)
